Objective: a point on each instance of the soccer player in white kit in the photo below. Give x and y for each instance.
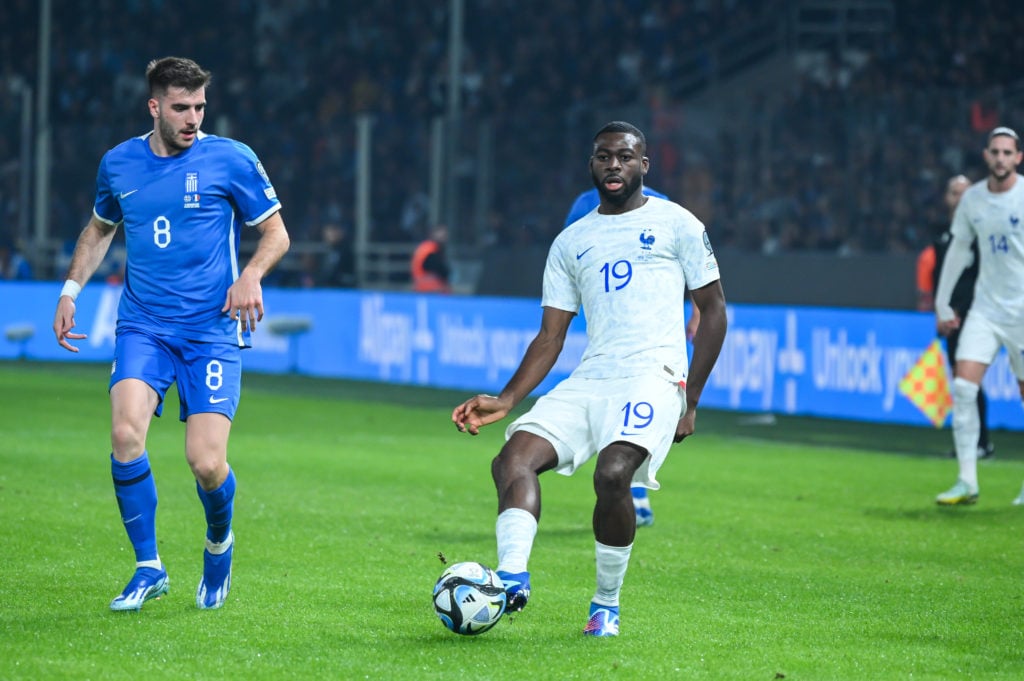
(628, 264)
(992, 212)
(584, 203)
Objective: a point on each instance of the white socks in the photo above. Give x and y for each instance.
(966, 429)
(515, 530)
(611, 571)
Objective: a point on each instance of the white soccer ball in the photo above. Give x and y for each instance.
(469, 598)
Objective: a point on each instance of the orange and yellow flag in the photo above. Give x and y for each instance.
(927, 384)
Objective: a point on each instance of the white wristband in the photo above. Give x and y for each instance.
(71, 289)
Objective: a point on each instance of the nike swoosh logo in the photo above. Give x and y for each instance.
(627, 434)
(580, 255)
(126, 194)
(132, 519)
(218, 400)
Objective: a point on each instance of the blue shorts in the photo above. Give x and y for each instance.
(209, 375)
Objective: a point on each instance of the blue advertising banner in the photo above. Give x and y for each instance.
(838, 363)
(830, 362)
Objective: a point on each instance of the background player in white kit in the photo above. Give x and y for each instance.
(991, 211)
(185, 313)
(628, 265)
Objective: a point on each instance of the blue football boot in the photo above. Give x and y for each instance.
(146, 584)
(604, 620)
(517, 586)
(216, 582)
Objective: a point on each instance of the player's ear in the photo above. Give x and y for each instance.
(154, 107)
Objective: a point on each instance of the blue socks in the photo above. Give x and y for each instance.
(638, 491)
(136, 499)
(219, 507)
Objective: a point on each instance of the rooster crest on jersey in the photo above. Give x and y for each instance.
(646, 240)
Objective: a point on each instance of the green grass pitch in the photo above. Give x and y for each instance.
(806, 549)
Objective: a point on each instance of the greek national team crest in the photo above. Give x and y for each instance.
(191, 190)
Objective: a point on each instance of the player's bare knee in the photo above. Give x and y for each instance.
(509, 465)
(613, 474)
(498, 471)
(210, 473)
(127, 440)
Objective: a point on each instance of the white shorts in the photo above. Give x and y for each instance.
(582, 416)
(980, 340)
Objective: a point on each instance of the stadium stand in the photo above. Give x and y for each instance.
(786, 126)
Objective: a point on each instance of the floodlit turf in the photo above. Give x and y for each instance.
(774, 554)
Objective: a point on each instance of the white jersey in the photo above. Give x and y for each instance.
(630, 272)
(995, 220)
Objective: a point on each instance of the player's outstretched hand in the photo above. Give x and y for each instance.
(478, 411)
(245, 301)
(64, 321)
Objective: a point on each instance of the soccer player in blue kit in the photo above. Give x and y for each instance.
(628, 265)
(185, 312)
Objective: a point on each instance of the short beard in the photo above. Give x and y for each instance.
(1002, 178)
(167, 136)
(619, 199)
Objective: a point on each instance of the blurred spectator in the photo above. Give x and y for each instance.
(338, 268)
(12, 264)
(429, 264)
(984, 114)
(929, 260)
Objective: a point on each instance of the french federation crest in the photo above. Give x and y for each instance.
(646, 240)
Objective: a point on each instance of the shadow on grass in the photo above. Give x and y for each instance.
(941, 514)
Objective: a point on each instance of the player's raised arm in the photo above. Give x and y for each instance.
(93, 244)
(536, 363)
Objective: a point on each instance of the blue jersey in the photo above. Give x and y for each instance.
(590, 199)
(182, 218)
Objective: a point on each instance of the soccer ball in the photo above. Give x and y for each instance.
(469, 598)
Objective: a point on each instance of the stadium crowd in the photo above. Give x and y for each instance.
(849, 157)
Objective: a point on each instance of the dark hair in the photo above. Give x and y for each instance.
(169, 72)
(622, 126)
